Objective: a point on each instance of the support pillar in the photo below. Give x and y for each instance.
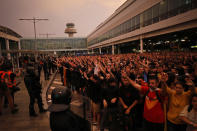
(100, 50)
(92, 51)
(88, 51)
(8, 48)
(118, 49)
(19, 48)
(17, 58)
(141, 44)
(113, 49)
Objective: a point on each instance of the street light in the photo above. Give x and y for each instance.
(34, 22)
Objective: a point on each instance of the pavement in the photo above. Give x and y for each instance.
(21, 121)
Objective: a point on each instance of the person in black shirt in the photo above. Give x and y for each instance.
(32, 83)
(110, 103)
(128, 97)
(45, 67)
(61, 117)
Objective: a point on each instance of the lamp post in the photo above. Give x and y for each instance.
(34, 22)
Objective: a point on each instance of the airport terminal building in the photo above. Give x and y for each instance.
(59, 45)
(147, 25)
(9, 42)
(136, 26)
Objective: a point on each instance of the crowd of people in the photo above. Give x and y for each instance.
(30, 69)
(128, 91)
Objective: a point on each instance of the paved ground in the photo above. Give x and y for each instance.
(22, 122)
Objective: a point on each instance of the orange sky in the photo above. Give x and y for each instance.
(86, 14)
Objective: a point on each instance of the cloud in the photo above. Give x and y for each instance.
(86, 14)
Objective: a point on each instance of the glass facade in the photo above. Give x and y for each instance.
(2, 44)
(161, 11)
(52, 44)
(13, 45)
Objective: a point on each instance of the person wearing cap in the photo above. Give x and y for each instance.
(61, 117)
(32, 83)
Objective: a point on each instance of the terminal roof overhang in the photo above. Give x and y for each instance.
(41, 51)
(116, 12)
(9, 34)
(24, 51)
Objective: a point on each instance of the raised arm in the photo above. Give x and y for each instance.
(191, 84)
(131, 106)
(183, 116)
(122, 103)
(187, 121)
(133, 83)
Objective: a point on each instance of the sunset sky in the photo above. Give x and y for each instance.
(86, 14)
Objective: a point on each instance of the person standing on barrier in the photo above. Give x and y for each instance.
(61, 117)
(34, 88)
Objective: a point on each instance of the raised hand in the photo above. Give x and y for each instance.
(124, 74)
(113, 100)
(164, 77)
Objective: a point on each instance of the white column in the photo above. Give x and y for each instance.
(100, 50)
(118, 49)
(17, 58)
(19, 48)
(8, 48)
(113, 49)
(92, 51)
(141, 44)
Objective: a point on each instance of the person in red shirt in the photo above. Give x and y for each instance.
(153, 110)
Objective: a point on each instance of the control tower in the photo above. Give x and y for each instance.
(70, 30)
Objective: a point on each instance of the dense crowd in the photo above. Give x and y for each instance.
(148, 91)
(126, 89)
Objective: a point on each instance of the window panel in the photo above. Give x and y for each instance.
(194, 4)
(163, 10)
(155, 13)
(137, 22)
(173, 6)
(149, 16)
(185, 5)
